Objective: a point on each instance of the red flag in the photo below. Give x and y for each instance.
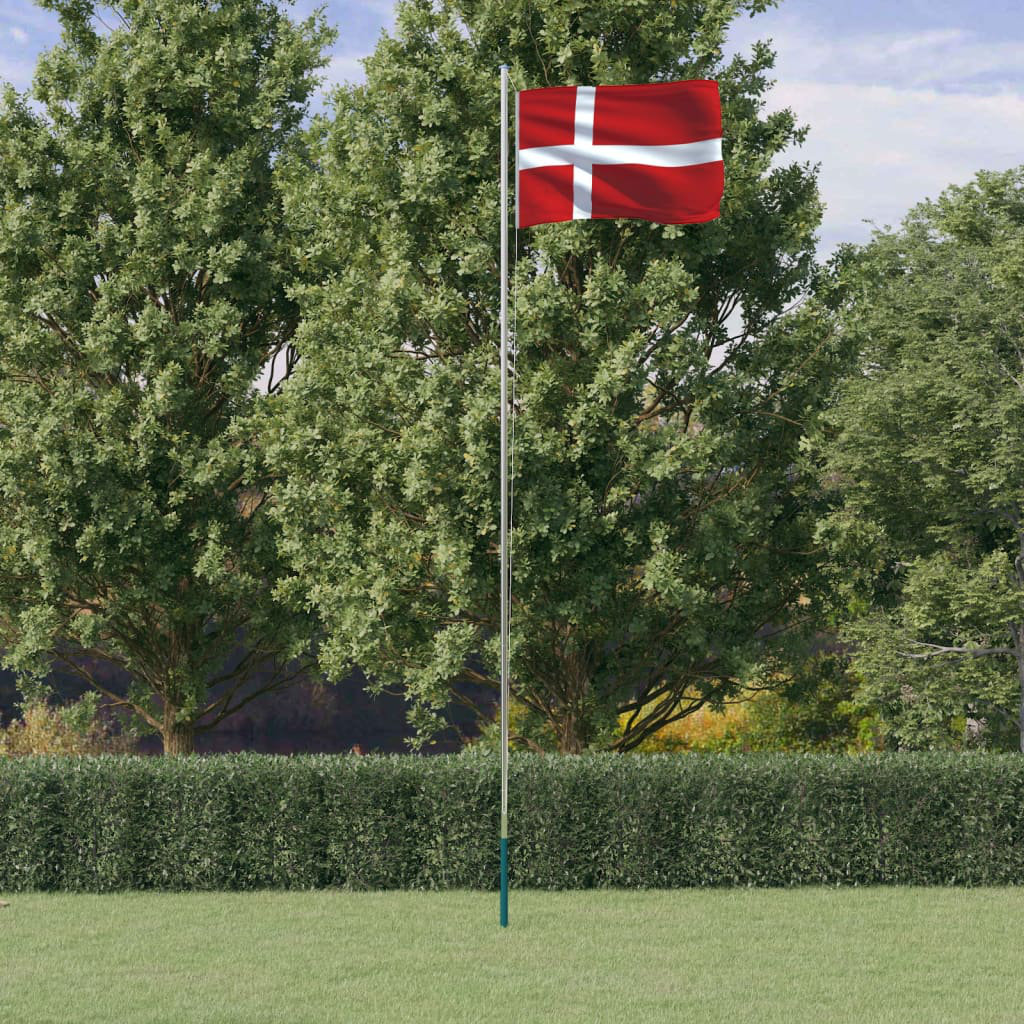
(650, 152)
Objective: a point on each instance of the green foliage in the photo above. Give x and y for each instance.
(144, 261)
(652, 821)
(526, 729)
(813, 711)
(923, 457)
(74, 728)
(816, 710)
(660, 521)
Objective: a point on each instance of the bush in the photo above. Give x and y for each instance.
(707, 730)
(771, 721)
(252, 821)
(816, 711)
(76, 728)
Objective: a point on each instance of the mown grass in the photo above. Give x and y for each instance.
(815, 955)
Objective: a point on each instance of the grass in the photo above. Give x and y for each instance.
(914, 956)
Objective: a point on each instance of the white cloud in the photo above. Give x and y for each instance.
(345, 69)
(32, 18)
(955, 59)
(17, 72)
(19, 35)
(884, 149)
(926, 40)
(894, 119)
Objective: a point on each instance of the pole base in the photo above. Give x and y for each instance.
(504, 882)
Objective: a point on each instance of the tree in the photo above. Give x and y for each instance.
(143, 274)
(924, 459)
(661, 537)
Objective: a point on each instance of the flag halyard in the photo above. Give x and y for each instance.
(650, 152)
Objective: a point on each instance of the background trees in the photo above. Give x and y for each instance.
(661, 540)
(165, 228)
(144, 262)
(925, 456)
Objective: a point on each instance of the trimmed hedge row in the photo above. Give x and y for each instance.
(251, 821)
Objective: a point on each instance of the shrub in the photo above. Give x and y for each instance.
(76, 728)
(252, 821)
(706, 730)
(814, 712)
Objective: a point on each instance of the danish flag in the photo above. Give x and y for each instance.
(650, 152)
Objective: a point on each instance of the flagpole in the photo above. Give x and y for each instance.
(505, 588)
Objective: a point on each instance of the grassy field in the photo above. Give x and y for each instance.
(914, 956)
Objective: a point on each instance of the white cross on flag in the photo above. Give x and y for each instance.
(649, 152)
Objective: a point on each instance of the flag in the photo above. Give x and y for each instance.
(651, 152)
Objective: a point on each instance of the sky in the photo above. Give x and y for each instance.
(902, 97)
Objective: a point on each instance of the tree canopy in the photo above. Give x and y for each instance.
(662, 526)
(924, 459)
(144, 268)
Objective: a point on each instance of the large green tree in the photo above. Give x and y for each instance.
(660, 541)
(924, 457)
(144, 264)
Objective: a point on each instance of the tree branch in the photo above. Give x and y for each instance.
(937, 650)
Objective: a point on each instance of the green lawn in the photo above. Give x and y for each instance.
(914, 956)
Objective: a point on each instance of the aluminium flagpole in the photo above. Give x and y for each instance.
(503, 610)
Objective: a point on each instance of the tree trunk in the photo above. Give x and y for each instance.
(571, 725)
(178, 737)
(974, 728)
(570, 738)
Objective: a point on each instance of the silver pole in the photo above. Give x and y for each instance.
(505, 585)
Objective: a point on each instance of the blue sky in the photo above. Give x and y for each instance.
(903, 97)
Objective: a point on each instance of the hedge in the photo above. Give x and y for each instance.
(251, 821)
